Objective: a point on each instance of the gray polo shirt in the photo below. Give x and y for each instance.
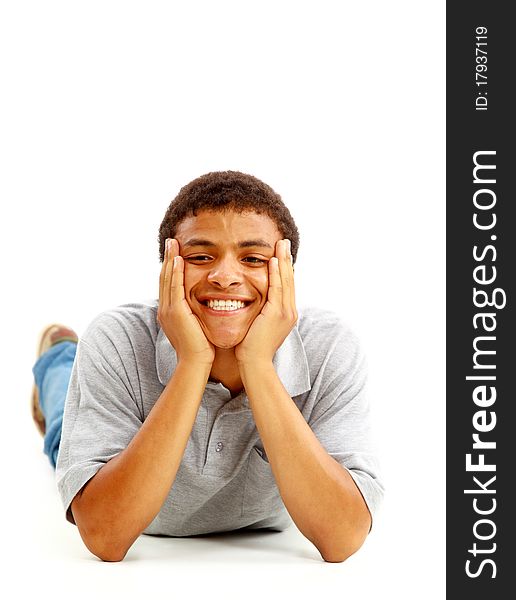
(224, 482)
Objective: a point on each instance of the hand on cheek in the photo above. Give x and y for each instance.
(278, 315)
(175, 316)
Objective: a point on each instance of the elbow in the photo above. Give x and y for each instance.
(110, 556)
(106, 551)
(106, 543)
(333, 559)
(338, 543)
(338, 549)
(337, 555)
(101, 540)
(101, 544)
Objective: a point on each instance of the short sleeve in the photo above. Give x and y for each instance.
(101, 415)
(341, 418)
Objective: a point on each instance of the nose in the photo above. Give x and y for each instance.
(226, 272)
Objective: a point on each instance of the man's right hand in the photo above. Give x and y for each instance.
(116, 505)
(175, 316)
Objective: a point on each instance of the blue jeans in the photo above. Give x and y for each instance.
(52, 374)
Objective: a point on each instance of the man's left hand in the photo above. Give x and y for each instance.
(278, 315)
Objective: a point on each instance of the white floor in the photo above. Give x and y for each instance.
(46, 557)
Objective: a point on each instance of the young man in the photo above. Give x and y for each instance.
(216, 407)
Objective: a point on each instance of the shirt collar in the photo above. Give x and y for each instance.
(290, 362)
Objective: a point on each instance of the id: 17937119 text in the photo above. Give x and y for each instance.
(481, 68)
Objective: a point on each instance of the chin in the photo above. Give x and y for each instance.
(225, 343)
(225, 340)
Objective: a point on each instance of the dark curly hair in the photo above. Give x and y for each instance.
(228, 190)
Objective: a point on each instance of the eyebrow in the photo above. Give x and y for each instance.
(244, 244)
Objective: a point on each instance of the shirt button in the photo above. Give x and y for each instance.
(219, 447)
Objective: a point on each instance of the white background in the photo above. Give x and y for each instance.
(108, 108)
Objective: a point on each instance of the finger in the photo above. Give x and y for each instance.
(274, 294)
(178, 279)
(285, 269)
(291, 274)
(162, 272)
(168, 274)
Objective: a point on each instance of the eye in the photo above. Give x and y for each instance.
(198, 258)
(254, 260)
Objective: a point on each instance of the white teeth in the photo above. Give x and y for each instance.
(225, 304)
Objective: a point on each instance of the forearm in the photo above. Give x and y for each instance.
(319, 494)
(122, 499)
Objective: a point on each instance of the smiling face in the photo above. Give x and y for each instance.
(226, 257)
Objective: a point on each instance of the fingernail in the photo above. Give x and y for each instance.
(289, 248)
